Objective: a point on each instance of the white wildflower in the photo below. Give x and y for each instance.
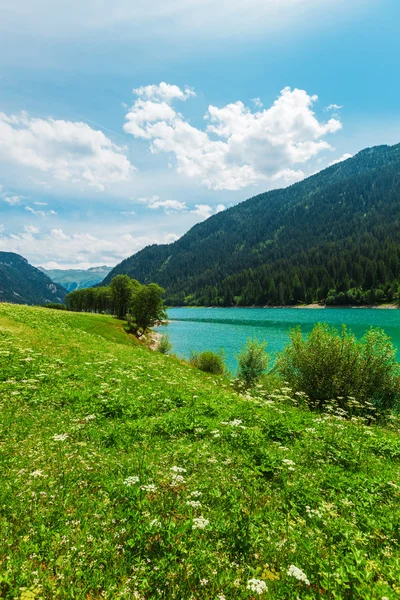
(196, 493)
(131, 480)
(37, 473)
(235, 423)
(89, 418)
(194, 503)
(177, 480)
(155, 523)
(60, 437)
(257, 585)
(200, 523)
(288, 462)
(149, 487)
(294, 571)
(178, 469)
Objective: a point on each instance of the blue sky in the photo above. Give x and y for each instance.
(231, 99)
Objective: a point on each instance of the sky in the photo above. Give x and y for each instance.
(124, 124)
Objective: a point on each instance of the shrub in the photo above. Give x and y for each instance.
(253, 362)
(332, 367)
(164, 344)
(56, 306)
(208, 361)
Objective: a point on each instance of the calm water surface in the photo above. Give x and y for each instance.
(228, 328)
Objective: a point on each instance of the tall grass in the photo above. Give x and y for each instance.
(126, 474)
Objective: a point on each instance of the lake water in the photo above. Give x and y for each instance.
(229, 328)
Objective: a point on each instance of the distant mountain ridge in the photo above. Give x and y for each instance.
(334, 236)
(22, 283)
(76, 279)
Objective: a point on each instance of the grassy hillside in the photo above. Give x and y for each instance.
(126, 474)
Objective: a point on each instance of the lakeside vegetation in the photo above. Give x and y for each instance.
(126, 298)
(129, 474)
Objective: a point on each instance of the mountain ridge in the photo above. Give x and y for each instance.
(22, 283)
(336, 232)
(76, 279)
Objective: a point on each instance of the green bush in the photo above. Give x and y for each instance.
(208, 361)
(253, 362)
(359, 377)
(164, 344)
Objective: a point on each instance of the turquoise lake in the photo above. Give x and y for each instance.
(229, 328)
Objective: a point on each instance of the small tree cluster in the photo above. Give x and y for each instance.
(123, 297)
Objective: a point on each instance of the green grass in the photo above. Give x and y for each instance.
(71, 528)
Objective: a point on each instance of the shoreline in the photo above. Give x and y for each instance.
(386, 306)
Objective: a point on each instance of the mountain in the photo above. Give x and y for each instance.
(334, 236)
(21, 283)
(76, 279)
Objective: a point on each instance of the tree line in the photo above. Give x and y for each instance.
(141, 305)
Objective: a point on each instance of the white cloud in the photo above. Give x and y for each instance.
(64, 150)
(333, 107)
(169, 206)
(11, 199)
(257, 102)
(57, 246)
(239, 147)
(341, 159)
(171, 237)
(205, 210)
(40, 203)
(163, 92)
(58, 234)
(40, 213)
(31, 229)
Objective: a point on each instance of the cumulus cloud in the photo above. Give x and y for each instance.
(341, 159)
(58, 246)
(64, 150)
(169, 206)
(163, 92)
(205, 210)
(238, 147)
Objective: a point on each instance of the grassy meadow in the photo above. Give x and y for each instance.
(129, 474)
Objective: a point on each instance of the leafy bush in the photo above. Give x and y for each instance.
(208, 361)
(56, 306)
(332, 367)
(164, 344)
(253, 362)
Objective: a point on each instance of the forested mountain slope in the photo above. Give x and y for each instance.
(334, 236)
(21, 283)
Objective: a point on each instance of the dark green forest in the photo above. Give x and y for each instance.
(334, 238)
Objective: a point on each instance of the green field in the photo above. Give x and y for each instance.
(128, 474)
